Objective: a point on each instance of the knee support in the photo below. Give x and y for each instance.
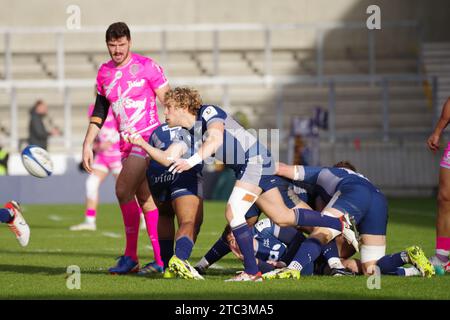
(92, 185)
(240, 202)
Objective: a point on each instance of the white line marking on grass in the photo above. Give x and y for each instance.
(54, 217)
(45, 250)
(111, 235)
(216, 266)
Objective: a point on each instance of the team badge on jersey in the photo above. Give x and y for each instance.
(134, 69)
(209, 113)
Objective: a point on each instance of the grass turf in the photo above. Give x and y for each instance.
(39, 270)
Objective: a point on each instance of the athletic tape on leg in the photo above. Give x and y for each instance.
(240, 202)
(372, 253)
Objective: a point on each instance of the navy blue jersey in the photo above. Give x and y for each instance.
(329, 180)
(161, 138)
(163, 184)
(240, 151)
(352, 193)
(272, 240)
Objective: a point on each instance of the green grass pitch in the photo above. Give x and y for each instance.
(39, 270)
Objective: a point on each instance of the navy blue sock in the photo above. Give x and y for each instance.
(308, 253)
(183, 247)
(166, 247)
(308, 270)
(244, 240)
(311, 218)
(330, 250)
(264, 266)
(389, 263)
(219, 250)
(5, 215)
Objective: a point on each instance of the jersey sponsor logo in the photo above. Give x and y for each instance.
(209, 113)
(163, 178)
(136, 84)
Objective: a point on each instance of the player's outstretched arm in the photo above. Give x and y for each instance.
(214, 139)
(166, 157)
(285, 170)
(433, 140)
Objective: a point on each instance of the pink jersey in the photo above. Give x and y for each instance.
(108, 133)
(130, 89)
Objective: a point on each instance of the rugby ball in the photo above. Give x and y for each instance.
(37, 161)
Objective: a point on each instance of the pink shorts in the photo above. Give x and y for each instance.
(128, 149)
(445, 161)
(107, 163)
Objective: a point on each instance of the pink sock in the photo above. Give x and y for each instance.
(151, 220)
(90, 213)
(130, 214)
(442, 248)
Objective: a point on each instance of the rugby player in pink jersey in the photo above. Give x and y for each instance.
(129, 84)
(441, 258)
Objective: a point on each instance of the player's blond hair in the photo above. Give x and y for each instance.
(185, 98)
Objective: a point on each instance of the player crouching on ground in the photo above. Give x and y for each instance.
(179, 195)
(293, 196)
(11, 214)
(276, 246)
(346, 191)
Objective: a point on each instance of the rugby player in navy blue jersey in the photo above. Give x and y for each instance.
(179, 195)
(346, 191)
(213, 132)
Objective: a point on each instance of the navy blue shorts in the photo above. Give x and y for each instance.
(283, 187)
(258, 170)
(167, 187)
(367, 206)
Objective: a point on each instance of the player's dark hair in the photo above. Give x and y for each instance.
(117, 30)
(345, 164)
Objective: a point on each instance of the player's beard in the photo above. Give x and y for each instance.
(122, 58)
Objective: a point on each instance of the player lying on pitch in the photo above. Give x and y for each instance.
(213, 132)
